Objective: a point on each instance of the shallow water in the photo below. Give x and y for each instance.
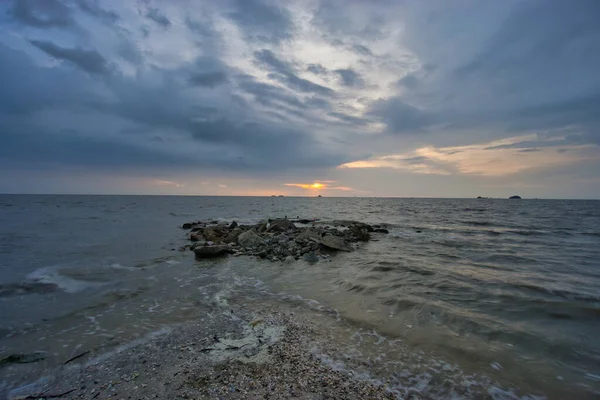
(506, 290)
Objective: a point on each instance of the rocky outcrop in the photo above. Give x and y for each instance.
(515, 197)
(279, 239)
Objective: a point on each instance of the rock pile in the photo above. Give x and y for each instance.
(277, 239)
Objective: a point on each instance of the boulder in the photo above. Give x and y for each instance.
(187, 225)
(214, 233)
(250, 239)
(211, 251)
(233, 225)
(233, 235)
(359, 233)
(281, 225)
(383, 230)
(196, 237)
(335, 243)
(309, 235)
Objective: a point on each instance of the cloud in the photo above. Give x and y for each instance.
(88, 60)
(160, 182)
(208, 79)
(349, 77)
(284, 73)
(157, 16)
(496, 159)
(91, 7)
(262, 21)
(318, 186)
(42, 14)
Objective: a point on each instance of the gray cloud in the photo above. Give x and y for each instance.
(348, 118)
(88, 60)
(401, 117)
(157, 16)
(349, 77)
(42, 14)
(262, 21)
(208, 79)
(91, 7)
(284, 73)
(317, 69)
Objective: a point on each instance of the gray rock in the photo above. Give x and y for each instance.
(196, 237)
(281, 225)
(214, 233)
(310, 257)
(233, 225)
(233, 235)
(289, 260)
(211, 251)
(383, 230)
(250, 239)
(335, 243)
(309, 234)
(360, 233)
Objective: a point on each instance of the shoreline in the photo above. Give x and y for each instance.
(233, 354)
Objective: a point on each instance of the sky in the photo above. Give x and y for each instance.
(433, 98)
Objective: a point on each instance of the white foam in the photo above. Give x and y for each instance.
(51, 275)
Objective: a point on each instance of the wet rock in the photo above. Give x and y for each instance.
(213, 233)
(250, 239)
(187, 225)
(281, 225)
(233, 225)
(233, 235)
(196, 237)
(289, 260)
(212, 251)
(23, 358)
(360, 233)
(383, 230)
(335, 243)
(310, 257)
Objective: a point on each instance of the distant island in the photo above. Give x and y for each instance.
(515, 197)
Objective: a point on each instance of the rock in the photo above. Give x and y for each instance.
(309, 234)
(23, 358)
(310, 257)
(187, 225)
(360, 233)
(289, 260)
(283, 238)
(233, 225)
(335, 243)
(383, 230)
(250, 239)
(515, 197)
(233, 235)
(214, 233)
(281, 225)
(211, 251)
(196, 237)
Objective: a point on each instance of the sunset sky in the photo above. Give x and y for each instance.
(428, 98)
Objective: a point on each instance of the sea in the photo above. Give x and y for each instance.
(498, 295)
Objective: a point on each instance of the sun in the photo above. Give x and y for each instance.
(316, 185)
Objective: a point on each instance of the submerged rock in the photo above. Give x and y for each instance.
(23, 358)
(250, 239)
(383, 230)
(335, 243)
(310, 257)
(211, 251)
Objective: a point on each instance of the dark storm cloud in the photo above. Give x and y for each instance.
(284, 73)
(88, 60)
(239, 141)
(535, 71)
(42, 13)
(349, 77)
(157, 16)
(262, 21)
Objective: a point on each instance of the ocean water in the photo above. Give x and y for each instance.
(462, 297)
